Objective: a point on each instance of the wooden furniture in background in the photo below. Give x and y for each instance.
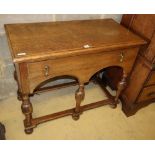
(78, 49)
(141, 88)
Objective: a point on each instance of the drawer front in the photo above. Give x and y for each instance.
(147, 94)
(151, 80)
(82, 66)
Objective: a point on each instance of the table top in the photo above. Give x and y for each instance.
(30, 41)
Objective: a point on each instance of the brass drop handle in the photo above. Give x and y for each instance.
(121, 57)
(46, 70)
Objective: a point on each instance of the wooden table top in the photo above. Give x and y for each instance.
(30, 41)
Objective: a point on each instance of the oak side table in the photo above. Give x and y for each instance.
(76, 49)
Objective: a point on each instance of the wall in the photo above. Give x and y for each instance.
(7, 84)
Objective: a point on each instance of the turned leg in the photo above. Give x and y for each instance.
(27, 111)
(19, 95)
(79, 96)
(121, 86)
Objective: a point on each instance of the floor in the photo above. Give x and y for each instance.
(100, 123)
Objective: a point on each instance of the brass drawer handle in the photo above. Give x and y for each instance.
(46, 70)
(121, 57)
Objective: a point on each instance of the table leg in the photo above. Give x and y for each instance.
(19, 95)
(27, 111)
(79, 96)
(121, 86)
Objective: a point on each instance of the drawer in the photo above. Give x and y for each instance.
(147, 94)
(151, 80)
(80, 66)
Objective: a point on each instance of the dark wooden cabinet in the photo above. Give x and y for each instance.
(141, 83)
(141, 88)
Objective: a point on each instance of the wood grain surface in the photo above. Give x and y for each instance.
(55, 39)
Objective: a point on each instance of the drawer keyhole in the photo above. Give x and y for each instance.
(46, 69)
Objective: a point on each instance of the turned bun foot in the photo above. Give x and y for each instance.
(28, 131)
(113, 106)
(75, 117)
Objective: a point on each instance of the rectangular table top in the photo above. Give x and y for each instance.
(30, 41)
